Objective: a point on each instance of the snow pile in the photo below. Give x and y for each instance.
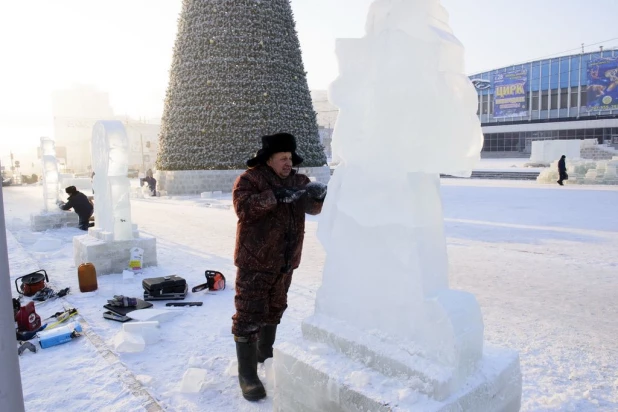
(601, 172)
(47, 244)
(544, 151)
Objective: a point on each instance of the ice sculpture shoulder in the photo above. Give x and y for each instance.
(405, 101)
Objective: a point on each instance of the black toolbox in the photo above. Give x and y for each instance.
(164, 286)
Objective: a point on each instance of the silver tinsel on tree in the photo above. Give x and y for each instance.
(237, 74)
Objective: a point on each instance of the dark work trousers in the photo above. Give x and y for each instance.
(261, 298)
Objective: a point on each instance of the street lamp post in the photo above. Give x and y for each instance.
(11, 395)
(141, 145)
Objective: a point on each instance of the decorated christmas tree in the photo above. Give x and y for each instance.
(237, 74)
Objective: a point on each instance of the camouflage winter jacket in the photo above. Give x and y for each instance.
(269, 236)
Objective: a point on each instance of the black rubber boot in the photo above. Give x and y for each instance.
(250, 384)
(266, 341)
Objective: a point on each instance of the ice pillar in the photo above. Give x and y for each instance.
(50, 177)
(110, 158)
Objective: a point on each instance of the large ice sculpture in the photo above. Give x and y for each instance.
(110, 163)
(51, 177)
(407, 114)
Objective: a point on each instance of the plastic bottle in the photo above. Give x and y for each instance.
(87, 276)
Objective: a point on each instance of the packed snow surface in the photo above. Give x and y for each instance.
(540, 259)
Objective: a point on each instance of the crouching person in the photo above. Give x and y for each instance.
(151, 181)
(270, 200)
(80, 204)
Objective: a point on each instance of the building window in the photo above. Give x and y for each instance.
(554, 99)
(574, 99)
(564, 99)
(574, 71)
(545, 77)
(584, 98)
(564, 73)
(555, 74)
(535, 100)
(544, 99)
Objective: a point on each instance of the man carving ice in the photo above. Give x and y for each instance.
(271, 200)
(80, 204)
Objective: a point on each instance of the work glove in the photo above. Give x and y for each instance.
(122, 301)
(288, 194)
(316, 190)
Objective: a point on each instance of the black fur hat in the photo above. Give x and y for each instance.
(276, 143)
(70, 190)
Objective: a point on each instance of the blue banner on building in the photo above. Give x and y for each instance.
(603, 84)
(510, 90)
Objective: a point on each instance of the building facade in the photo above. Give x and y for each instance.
(568, 97)
(76, 110)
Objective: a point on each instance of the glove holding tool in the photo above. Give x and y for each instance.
(288, 194)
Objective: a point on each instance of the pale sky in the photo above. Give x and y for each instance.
(124, 47)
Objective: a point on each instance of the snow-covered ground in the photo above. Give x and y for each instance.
(541, 260)
(506, 165)
(501, 165)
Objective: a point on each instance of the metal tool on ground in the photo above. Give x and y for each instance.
(27, 318)
(31, 283)
(165, 288)
(116, 317)
(61, 317)
(184, 304)
(48, 293)
(25, 336)
(125, 310)
(214, 281)
(26, 346)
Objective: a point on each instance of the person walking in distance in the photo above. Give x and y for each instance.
(270, 200)
(562, 170)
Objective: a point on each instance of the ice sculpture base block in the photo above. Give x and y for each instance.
(109, 256)
(390, 359)
(53, 220)
(312, 377)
